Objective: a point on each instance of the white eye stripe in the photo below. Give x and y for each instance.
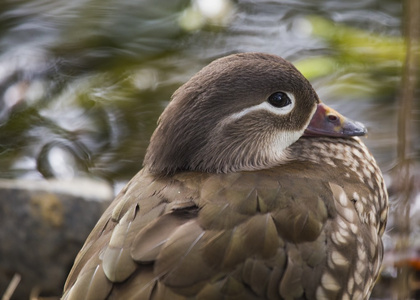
(267, 107)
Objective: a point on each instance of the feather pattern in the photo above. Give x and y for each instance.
(231, 235)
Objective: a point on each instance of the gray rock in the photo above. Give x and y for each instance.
(43, 225)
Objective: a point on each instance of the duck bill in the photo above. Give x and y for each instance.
(328, 122)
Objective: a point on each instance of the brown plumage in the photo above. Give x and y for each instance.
(251, 189)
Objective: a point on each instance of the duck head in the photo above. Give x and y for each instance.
(240, 113)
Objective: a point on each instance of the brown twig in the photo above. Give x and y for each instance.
(404, 151)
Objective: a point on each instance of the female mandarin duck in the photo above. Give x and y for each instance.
(251, 189)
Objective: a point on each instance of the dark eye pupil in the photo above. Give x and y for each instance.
(279, 99)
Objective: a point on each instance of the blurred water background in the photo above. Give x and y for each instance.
(83, 82)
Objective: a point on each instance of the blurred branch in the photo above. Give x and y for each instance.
(405, 136)
(409, 79)
(11, 287)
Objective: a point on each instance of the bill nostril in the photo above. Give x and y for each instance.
(332, 118)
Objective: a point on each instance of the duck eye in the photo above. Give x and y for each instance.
(279, 99)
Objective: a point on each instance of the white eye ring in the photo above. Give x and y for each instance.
(280, 111)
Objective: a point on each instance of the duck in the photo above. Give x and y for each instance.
(251, 188)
